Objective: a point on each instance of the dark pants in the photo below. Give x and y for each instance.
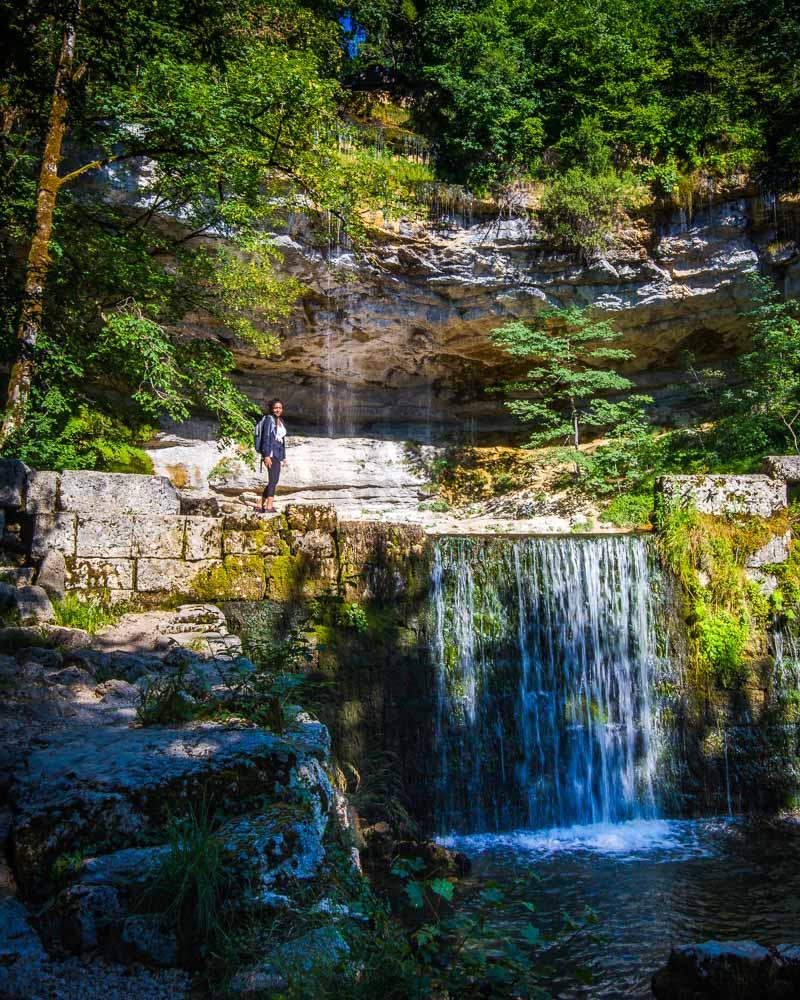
(274, 475)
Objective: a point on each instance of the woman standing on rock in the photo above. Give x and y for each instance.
(270, 443)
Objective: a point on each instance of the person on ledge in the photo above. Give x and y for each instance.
(270, 442)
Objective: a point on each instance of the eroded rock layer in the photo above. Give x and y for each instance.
(401, 338)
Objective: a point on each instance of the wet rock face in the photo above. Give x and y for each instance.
(403, 338)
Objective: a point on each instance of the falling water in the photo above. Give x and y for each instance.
(547, 659)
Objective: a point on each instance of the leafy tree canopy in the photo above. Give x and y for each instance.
(177, 133)
(503, 86)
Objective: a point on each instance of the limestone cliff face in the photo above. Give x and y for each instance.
(402, 337)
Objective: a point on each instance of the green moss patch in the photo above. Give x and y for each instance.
(236, 578)
(727, 614)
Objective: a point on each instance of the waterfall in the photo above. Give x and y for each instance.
(546, 657)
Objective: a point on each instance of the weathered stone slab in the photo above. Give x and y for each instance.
(756, 495)
(776, 550)
(53, 532)
(253, 522)
(302, 517)
(117, 492)
(101, 574)
(52, 575)
(236, 578)
(199, 505)
(42, 493)
(203, 538)
(160, 536)
(105, 537)
(13, 474)
(255, 534)
(786, 467)
(113, 787)
(171, 575)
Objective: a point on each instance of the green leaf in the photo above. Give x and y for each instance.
(531, 934)
(415, 894)
(442, 887)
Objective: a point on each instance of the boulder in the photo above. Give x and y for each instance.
(785, 467)
(13, 476)
(21, 951)
(68, 639)
(52, 575)
(81, 918)
(34, 606)
(109, 493)
(283, 845)
(69, 798)
(8, 596)
(320, 950)
(146, 939)
(776, 550)
(128, 870)
(719, 970)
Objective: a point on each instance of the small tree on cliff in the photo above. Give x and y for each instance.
(562, 395)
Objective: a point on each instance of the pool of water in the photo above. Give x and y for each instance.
(653, 883)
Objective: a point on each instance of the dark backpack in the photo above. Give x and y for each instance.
(261, 434)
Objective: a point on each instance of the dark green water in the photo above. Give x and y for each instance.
(653, 884)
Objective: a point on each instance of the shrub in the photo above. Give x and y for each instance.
(628, 510)
(351, 615)
(722, 639)
(580, 210)
(162, 700)
(86, 439)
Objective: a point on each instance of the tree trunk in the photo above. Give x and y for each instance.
(38, 263)
(576, 438)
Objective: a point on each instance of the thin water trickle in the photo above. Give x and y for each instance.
(546, 651)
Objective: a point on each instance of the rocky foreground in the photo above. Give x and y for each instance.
(90, 794)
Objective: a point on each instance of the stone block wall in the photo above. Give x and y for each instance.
(125, 535)
(760, 496)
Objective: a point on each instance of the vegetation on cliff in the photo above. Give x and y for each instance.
(544, 87)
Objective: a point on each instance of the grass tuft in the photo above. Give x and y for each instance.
(88, 613)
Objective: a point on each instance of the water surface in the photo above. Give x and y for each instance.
(653, 883)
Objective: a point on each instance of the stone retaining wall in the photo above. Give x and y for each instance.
(125, 535)
(760, 496)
